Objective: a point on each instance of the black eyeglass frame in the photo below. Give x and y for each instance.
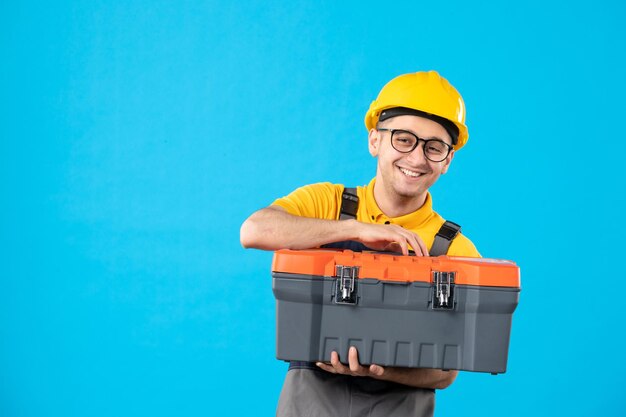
(417, 142)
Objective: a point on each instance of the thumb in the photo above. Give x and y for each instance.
(377, 370)
(393, 247)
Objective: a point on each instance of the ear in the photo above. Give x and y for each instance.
(373, 142)
(447, 161)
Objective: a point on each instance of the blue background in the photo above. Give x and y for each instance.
(137, 136)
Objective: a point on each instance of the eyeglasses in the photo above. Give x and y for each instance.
(435, 150)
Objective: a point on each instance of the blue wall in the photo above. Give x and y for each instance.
(135, 137)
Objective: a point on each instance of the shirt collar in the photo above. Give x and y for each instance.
(408, 221)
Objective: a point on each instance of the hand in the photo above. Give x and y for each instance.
(354, 368)
(414, 377)
(390, 237)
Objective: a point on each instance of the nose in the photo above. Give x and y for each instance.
(417, 155)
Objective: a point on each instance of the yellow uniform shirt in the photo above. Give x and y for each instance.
(323, 201)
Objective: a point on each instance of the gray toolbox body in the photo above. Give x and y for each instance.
(394, 322)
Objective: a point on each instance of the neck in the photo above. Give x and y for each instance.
(395, 205)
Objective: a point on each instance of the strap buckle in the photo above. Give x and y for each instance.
(449, 230)
(349, 204)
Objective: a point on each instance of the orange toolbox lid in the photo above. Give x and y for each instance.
(388, 267)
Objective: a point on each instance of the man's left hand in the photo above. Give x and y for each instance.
(354, 368)
(414, 377)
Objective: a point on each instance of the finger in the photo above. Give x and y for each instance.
(377, 370)
(392, 247)
(338, 366)
(417, 243)
(353, 360)
(424, 247)
(405, 247)
(419, 246)
(326, 367)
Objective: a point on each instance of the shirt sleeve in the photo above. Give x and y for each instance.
(316, 201)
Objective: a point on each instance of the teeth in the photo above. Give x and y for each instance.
(410, 173)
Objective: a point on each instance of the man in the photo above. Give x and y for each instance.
(415, 126)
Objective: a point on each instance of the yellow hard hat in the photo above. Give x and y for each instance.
(426, 92)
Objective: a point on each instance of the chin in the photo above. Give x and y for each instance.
(409, 194)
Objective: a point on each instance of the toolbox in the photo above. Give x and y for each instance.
(439, 312)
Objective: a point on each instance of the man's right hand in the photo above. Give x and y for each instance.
(390, 238)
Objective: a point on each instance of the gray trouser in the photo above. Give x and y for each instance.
(316, 393)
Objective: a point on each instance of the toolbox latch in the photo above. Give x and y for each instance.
(345, 287)
(443, 294)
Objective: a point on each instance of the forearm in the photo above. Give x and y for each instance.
(420, 377)
(273, 228)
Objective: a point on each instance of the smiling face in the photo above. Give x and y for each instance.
(403, 179)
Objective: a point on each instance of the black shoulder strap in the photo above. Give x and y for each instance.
(349, 204)
(444, 238)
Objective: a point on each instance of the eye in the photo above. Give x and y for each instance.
(404, 138)
(436, 147)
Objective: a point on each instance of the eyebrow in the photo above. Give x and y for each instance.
(424, 138)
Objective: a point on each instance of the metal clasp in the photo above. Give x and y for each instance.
(345, 287)
(443, 294)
